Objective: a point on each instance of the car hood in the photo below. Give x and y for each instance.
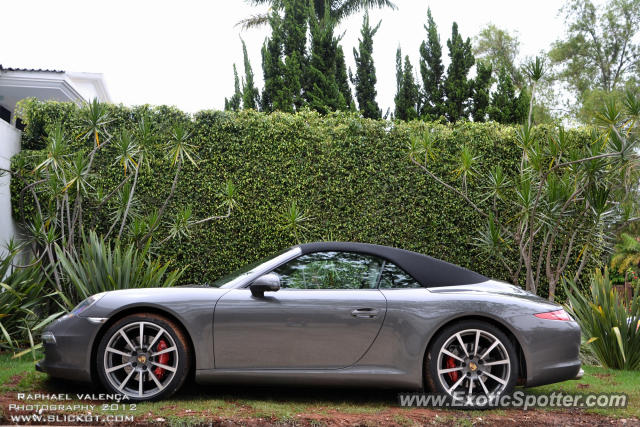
(496, 287)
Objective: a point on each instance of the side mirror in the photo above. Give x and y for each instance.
(266, 283)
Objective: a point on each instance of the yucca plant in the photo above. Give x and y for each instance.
(555, 212)
(67, 179)
(610, 327)
(466, 166)
(96, 266)
(294, 219)
(535, 70)
(24, 302)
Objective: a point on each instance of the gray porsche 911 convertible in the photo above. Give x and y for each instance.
(320, 314)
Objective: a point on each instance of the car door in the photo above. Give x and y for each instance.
(326, 315)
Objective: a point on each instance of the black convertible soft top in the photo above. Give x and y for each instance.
(429, 271)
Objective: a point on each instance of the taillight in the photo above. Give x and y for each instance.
(555, 315)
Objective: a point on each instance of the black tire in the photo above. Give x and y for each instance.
(180, 358)
(473, 368)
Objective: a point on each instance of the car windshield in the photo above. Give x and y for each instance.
(261, 266)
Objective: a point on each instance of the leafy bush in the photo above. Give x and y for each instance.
(349, 179)
(626, 253)
(610, 327)
(563, 201)
(25, 303)
(98, 266)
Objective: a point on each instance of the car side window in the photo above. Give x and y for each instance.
(331, 270)
(393, 277)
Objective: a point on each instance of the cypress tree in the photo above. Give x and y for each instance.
(250, 94)
(342, 79)
(294, 27)
(275, 95)
(457, 88)
(411, 90)
(365, 79)
(408, 95)
(503, 101)
(481, 88)
(235, 102)
(323, 92)
(398, 70)
(399, 76)
(522, 106)
(268, 92)
(432, 71)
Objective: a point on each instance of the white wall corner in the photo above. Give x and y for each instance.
(9, 147)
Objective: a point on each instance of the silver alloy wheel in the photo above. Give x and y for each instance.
(132, 360)
(473, 361)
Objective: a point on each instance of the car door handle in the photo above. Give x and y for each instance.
(364, 313)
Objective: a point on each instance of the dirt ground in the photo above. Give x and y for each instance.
(405, 417)
(242, 414)
(390, 417)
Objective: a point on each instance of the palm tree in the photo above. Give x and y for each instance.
(627, 253)
(338, 9)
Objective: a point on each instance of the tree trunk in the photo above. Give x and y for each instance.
(552, 289)
(126, 210)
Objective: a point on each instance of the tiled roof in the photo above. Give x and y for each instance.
(35, 70)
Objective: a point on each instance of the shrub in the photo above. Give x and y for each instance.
(25, 303)
(610, 327)
(626, 253)
(348, 176)
(562, 202)
(98, 266)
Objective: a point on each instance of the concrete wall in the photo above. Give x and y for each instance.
(86, 88)
(9, 146)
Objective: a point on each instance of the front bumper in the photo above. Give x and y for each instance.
(67, 347)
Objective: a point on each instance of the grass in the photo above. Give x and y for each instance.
(16, 373)
(602, 380)
(197, 404)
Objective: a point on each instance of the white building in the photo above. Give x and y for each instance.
(46, 85)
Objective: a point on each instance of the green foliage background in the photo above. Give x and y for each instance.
(351, 175)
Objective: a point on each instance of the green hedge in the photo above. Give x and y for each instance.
(351, 175)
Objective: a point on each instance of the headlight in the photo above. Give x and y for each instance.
(84, 305)
(48, 338)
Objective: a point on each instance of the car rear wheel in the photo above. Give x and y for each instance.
(143, 356)
(472, 358)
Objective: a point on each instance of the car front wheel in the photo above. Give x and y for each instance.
(143, 356)
(472, 358)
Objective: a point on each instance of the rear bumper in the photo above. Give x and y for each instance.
(557, 373)
(553, 351)
(67, 349)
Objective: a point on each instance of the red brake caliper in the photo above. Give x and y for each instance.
(450, 364)
(163, 358)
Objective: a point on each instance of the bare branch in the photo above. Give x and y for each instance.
(211, 218)
(109, 197)
(449, 187)
(153, 226)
